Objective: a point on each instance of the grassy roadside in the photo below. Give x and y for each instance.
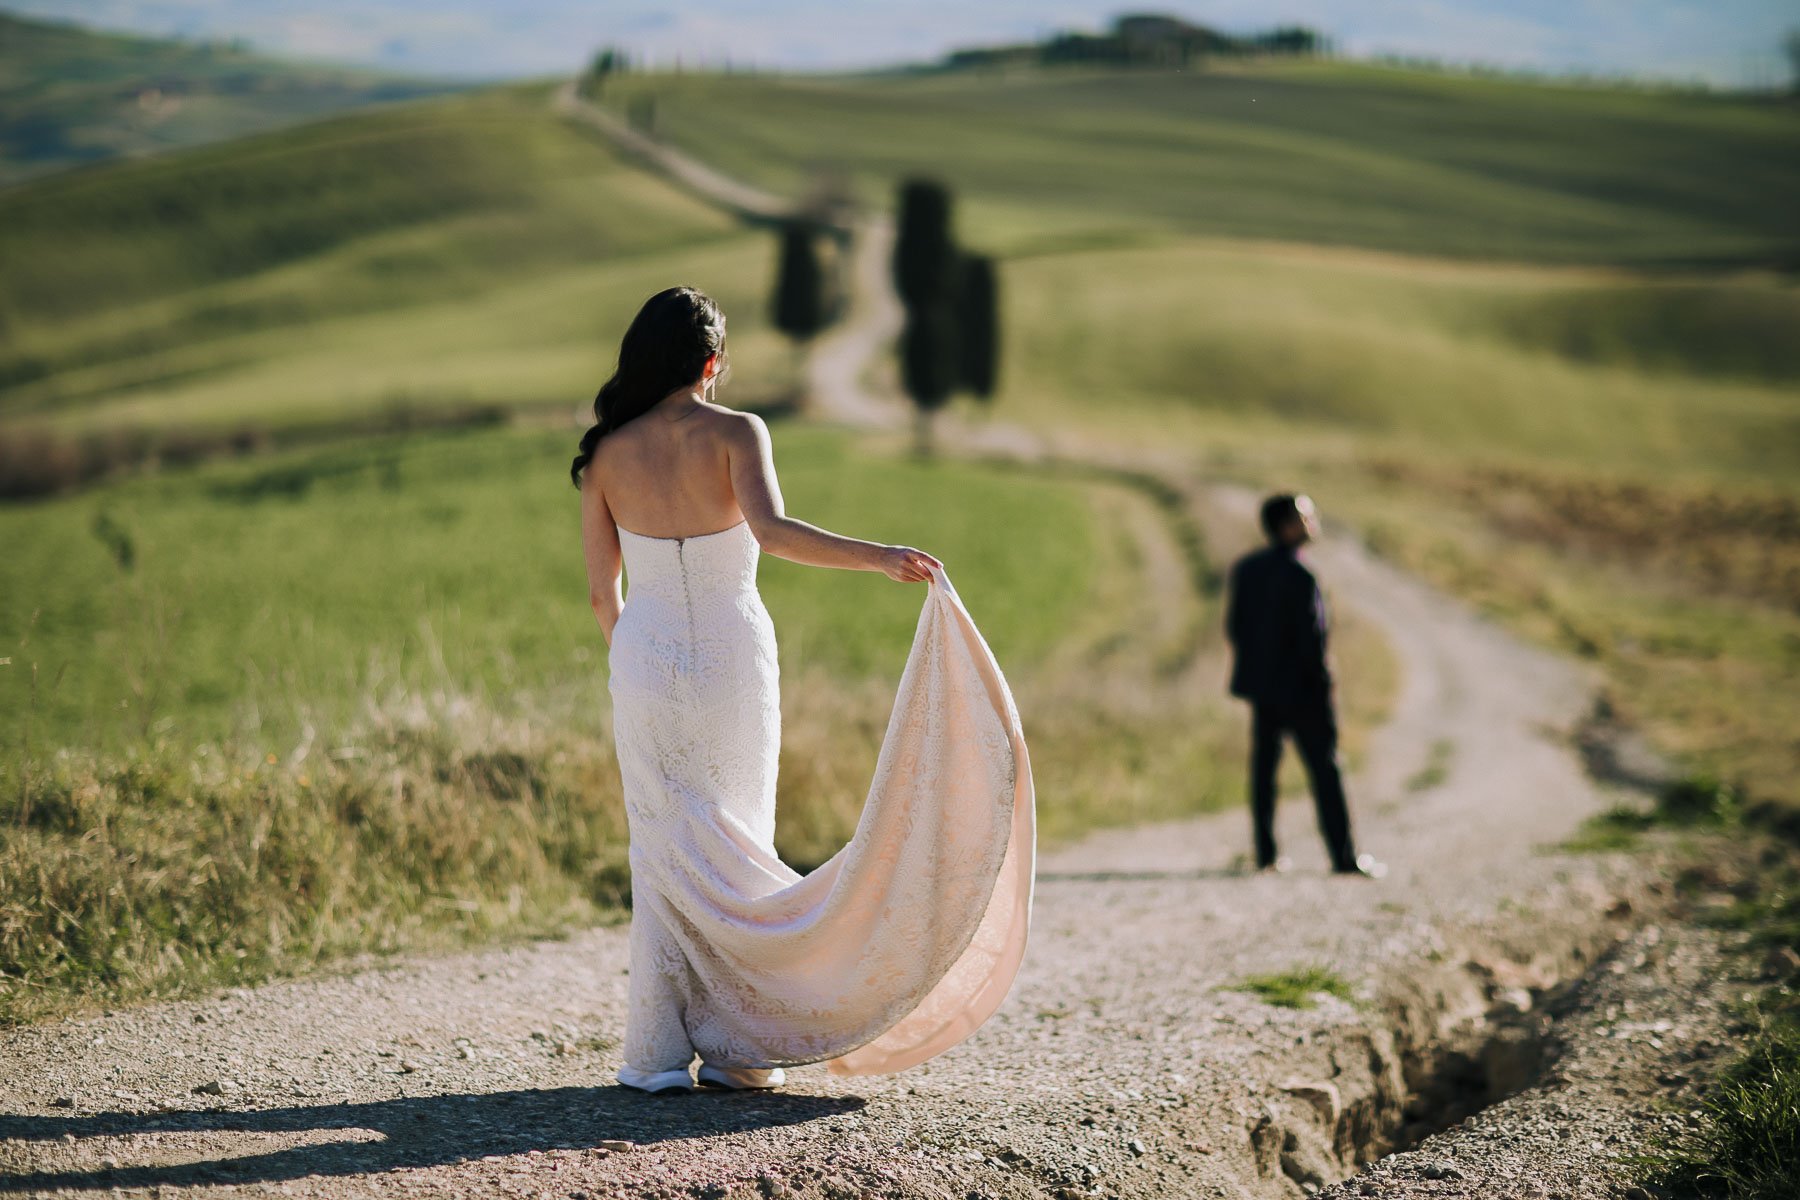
(1698, 656)
(1747, 1144)
(1744, 1141)
(370, 716)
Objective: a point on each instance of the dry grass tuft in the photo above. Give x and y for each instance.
(1734, 542)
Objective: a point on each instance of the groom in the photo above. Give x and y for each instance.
(1275, 618)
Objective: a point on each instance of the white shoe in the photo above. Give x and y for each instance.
(656, 1081)
(740, 1079)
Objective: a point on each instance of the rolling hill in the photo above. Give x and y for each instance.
(1321, 152)
(471, 248)
(69, 95)
(1473, 266)
(1307, 242)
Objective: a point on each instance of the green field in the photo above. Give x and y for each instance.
(1317, 152)
(71, 96)
(245, 601)
(1586, 368)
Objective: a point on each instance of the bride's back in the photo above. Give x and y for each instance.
(669, 478)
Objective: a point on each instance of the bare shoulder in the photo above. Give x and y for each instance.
(738, 430)
(593, 487)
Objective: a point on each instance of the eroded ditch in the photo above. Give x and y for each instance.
(1448, 1035)
(1442, 1043)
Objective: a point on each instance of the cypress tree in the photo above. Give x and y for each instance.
(977, 325)
(606, 62)
(799, 285)
(924, 252)
(925, 274)
(928, 361)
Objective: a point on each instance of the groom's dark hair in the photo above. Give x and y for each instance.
(1277, 511)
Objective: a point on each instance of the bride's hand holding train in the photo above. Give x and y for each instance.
(903, 564)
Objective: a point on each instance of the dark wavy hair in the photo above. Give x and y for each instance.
(665, 348)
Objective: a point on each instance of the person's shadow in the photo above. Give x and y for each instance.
(421, 1131)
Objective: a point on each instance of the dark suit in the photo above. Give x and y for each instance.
(1275, 618)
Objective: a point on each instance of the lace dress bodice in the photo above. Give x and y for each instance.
(700, 655)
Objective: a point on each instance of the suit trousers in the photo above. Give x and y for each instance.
(1313, 727)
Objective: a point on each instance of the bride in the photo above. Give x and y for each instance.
(909, 937)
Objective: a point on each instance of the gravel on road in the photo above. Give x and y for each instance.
(1125, 1064)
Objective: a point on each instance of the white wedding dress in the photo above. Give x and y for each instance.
(894, 950)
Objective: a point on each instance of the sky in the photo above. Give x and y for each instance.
(1722, 42)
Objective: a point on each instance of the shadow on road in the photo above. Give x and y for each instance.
(416, 1131)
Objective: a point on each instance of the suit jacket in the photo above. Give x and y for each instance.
(1275, 619)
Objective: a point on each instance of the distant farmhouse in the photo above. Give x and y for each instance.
(1144, 40)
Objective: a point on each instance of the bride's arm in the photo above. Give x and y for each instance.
(600, 545)
(759, 496)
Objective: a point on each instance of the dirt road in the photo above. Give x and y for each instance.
(1125, 1064)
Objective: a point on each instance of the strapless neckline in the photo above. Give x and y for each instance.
(692, 537)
